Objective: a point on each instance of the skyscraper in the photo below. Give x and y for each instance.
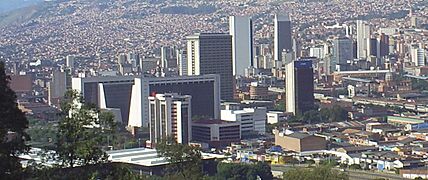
(57, 88)
(182, 62)
(363, 33)
(299, 86)
(343, 51)
(241, 30)
(283, 39)
(169, 116)
(418, 55)
(212, 54)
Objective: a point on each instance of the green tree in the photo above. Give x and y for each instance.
(184, 160)
(237, 171)
(82, 132)
(12, 130)
(316, 173)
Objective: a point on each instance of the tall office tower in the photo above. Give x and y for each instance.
(418, 56)
(383, 46)
(212, 54)
(299, 86)
(241, 30)
(170, 116)
(164, 59)
(69, 61)
(343, 51)
(283, 39)
(372, 47)
(57, 88)
(182, 62)
(363, 33)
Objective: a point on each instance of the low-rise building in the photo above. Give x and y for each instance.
(299, 142)
(216, 133)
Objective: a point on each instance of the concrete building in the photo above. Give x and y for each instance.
(252, 120)
(241, 30)
(69, 62)
(57, 88)
(299, 86)
(418, 56)
(277, 116)
(182, 62)
(343, 51)
(216, 133)
(283, 39)
(212, 54)
(363, 33)
(317, 52)
(130, 94)
(169, 116)
(299, 142)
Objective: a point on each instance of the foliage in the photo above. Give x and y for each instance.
(12, 130)
(184, 160)
(355, 166)
(234, 171)
(280, 106)
(315, 173)
(81, 132)
(418, 84)
(42, 133)
(107, 171)
(333, 114)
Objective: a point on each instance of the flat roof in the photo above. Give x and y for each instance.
(146, 157)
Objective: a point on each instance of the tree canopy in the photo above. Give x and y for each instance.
(323, 172)
(82, 132)
(12, 129)
(184, 160)
(236, 171)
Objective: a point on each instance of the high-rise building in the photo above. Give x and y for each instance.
(170, 116)
(182, 62)
(212, 54)
(283, 38)
(57, 88)
(299, 86)
(383, 46)
(69, 61)
(241, 30)
(363, 33)
(418, 56)
(343, 51)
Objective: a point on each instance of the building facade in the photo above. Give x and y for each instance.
(212, 54)
(241, 30)
(283, 40)
(216, 133)
(299, 86)
(252, 120)
(169, 116)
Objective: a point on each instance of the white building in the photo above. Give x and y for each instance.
(317, 52)
(252, 119)
(418, 56)
(170, 116)
(363, 33)
(241, 30)
(182, 62)
(69, 61)
(276, 116)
